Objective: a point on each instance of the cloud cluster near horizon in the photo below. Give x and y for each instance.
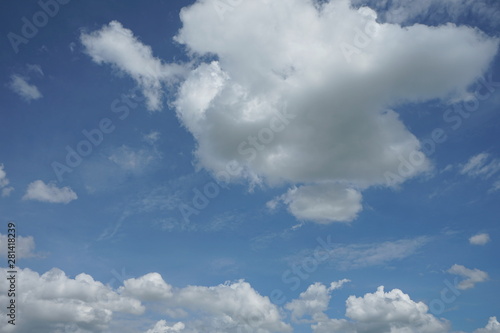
(54, 301)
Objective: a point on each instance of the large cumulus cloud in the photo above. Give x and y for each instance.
(302, 92)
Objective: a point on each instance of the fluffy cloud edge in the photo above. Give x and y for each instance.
(20, 86)
(480, 239)
(84, 304)
(471, 276)
(40, 191)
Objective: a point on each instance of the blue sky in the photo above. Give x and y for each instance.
(251, 166)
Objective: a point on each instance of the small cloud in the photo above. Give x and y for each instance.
(479, 239)
(354, 256)
(151, 137)
(4, 181)
(25, 246)
(40, 191)
(449, 167)
(472, 276)
(27, 91)
(321, 203)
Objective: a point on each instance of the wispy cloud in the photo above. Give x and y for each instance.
(133, 160)
(481, 165)
(27, 91)
(35, 68)
(354, 256)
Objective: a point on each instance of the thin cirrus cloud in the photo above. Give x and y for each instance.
(313, 302)
(27, 91)
(493, 326)
(355, 256)
(321, 203)
(57, 302)
(297, 119)
(39, 191)
(481, 165)
(471, 276)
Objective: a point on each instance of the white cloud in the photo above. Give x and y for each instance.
(481, 165)
(27, 91)
(40, 191)
(3, 177)
(25, 246)
(437, 11)
(479, 239)
(493, 326)
(149, 287)
(472, 276)
(162, 327)
(221, 308)
(4, 181)
(233, 306)
(115, 45)
(381, 312)
(322, 203)
(313, 302)
(53, 302)
(286, 101)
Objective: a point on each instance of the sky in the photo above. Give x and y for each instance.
(250, 166)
